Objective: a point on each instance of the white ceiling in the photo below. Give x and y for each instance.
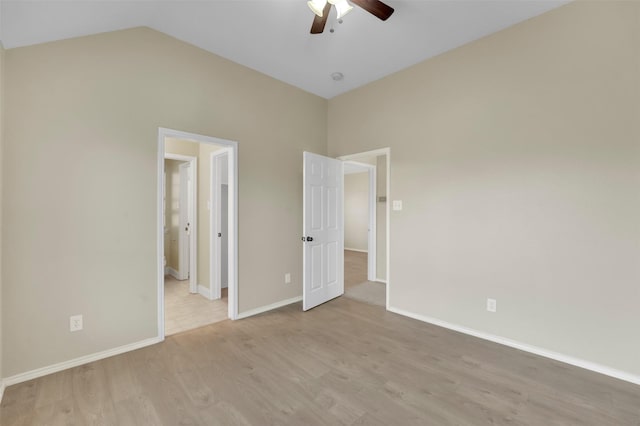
(272, 36)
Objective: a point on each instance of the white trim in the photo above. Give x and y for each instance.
(380, 281)
(204, 291)
(1, 389)
(39, 372)
(358, 250)
(377, 153)
(233, 221)
(365, 154)
(172, 272)
(270, 307)
(588, 365)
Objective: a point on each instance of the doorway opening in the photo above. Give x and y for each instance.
(360, 189)
(197, 231)
(366, 188)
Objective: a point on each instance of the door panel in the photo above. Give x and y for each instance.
(184, 236)
(323, 229)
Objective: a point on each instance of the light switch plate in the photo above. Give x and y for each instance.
(397, 205)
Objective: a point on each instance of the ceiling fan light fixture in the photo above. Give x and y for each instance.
(317, 6)
(342, 7)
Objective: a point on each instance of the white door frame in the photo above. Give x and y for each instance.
(233, 218)
(371, 235)
(377, 153)
(193, 241)
(215, 253)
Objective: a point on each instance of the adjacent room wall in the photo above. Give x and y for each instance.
(172, 226)
(356, 211)
(1, 199)
(516, 158)
(82, 237)
(381, 218)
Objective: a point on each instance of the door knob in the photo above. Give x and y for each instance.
(309, 238)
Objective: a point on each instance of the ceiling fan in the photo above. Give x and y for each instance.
(322, 7)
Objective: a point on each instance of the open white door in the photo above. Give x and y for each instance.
(186, 259)
(323, 230)
(184, 234)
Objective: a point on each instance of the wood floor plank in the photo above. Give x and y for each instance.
(342, 363)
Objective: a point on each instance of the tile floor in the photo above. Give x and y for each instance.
(185, 311)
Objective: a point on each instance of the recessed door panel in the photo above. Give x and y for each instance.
(323, 231)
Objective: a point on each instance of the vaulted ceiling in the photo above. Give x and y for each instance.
(272, 36)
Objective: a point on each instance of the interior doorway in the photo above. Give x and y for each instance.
(360, 229)
(197, 230)
(366, 192)
(179, 203)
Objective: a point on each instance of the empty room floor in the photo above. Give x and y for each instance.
(342, 363)
(356, 285)
(185, 311)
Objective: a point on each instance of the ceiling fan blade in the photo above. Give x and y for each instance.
(375, 7)
(318, 23)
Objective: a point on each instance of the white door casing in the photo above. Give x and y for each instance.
(323, 230)
(164, 133)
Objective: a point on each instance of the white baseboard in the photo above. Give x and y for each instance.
(170, 271)
(1, 389)
(204, 291)
(381, 281)
(358, 250)
(588, 365)
(270, 307)
(39, 372)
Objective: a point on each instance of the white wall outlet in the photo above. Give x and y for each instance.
(75, 323)
(492, 305)
(287, 278)
(397, 205)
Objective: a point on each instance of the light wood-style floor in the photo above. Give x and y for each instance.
(186, 311)
(355, 268)
(356, 285)
(342, 363)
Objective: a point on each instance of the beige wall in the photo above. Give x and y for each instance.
(516, 158)
(356, 211)
(172, 224)
(381, 218)
(83, 236)
(181, 147)
(1, 186)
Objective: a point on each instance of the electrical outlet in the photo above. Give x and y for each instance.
(287, 278)
(397, 205)
(75, 323)
(492, 305)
